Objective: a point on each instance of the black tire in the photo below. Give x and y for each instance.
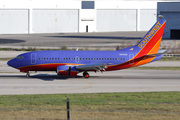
(86, 75)
(27, 75)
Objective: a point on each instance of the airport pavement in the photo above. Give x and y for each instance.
(118, 81)
(70, 39)
(10, 54)
(102, 41)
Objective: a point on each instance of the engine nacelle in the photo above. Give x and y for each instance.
(67, 70)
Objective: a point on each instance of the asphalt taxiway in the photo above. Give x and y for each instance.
(90, 41)
(117, 81)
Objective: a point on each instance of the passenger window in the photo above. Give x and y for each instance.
(102, 58)
(64, 58)
(107, 58)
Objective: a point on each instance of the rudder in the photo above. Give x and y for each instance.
(150, 43)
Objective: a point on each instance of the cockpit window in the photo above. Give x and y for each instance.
(19, 57)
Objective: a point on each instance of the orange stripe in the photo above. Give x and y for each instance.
(155, 49)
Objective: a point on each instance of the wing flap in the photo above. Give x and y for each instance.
(96, 67)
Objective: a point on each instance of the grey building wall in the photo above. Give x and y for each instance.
(171, 12)
(116, 20)
(55, 20)
(148, 18)
(14, 21)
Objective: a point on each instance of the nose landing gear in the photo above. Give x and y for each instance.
(28, 75)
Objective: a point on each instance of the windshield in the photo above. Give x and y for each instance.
(19, 57)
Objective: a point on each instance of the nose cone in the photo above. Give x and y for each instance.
(11, 63)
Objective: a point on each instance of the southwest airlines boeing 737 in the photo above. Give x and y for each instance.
(70, 63)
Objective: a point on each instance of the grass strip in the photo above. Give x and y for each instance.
(5, 59)
(156, 68)
(137, 105)
(170, 59)
(163, 97)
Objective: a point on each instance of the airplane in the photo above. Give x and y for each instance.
(70, 63)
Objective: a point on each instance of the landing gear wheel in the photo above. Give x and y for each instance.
(27, 75)
(86, 75)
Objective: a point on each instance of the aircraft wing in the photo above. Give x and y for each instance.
(96, 67)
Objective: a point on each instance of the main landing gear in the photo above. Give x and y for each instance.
(86, 75)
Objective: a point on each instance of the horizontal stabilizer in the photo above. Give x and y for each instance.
(161, 51)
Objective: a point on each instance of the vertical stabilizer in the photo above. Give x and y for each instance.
(151, 41)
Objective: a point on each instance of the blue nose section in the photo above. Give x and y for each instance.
(11, 63)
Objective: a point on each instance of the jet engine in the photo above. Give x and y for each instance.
(67, 70)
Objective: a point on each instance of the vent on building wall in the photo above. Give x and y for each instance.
(175, 34)
(87, 4)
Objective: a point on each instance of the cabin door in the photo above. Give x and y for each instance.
(131, 58)
(33, 58)
(77, 59)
